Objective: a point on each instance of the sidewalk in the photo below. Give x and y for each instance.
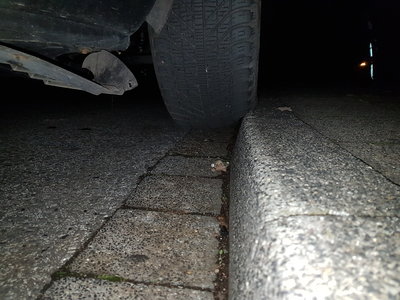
(315, 200)
(165, 241)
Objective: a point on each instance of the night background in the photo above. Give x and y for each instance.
(322, 43)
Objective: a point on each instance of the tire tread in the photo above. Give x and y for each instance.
(206, 60)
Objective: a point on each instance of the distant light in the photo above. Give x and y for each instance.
(371, 53)
(363, 64)
(372, 71)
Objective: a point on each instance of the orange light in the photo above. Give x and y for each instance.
(363, 64)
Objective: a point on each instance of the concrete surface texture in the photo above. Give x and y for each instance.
(175, 193)
(63, 173)
(72, 288)
(91, 210)
(366, 125)
(154, 247)
(186, 166)
(315, 201)
(163, 243)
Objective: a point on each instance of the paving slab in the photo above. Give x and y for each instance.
(367, 126)
(75, 288)
(348, 129)
(154, 247)
(383, 157)
(201, 148)
(176, 193)
(215, 135)
(205, 143)
(350, 105)
(185, 166)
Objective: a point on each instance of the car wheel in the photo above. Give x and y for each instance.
(206, 61)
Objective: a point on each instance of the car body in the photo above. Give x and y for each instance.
(204, 52)
(49, 39)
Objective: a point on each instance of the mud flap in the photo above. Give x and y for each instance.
(110, 72)
(111, 75)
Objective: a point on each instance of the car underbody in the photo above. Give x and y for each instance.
(76, 44)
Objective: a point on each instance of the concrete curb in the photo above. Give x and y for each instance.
(308, 219)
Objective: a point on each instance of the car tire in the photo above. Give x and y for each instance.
(206, 61)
